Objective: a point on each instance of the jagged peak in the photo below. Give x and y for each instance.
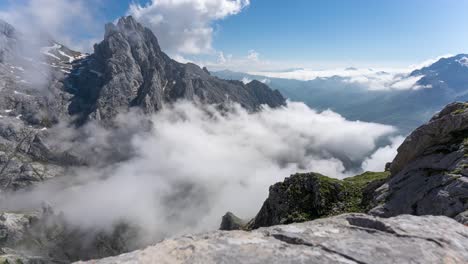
(124, 25)
(132, 31)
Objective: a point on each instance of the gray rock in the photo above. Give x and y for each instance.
(128, 69)
(352, 238)
(462, 218)
(429, 174)
(231, 222)
(453, 118)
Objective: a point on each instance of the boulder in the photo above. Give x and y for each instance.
(231, 222)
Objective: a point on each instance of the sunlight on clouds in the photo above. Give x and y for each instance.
(185, 26)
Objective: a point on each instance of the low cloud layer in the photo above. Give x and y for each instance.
(197, 163)
(185, 26)
(380, 79)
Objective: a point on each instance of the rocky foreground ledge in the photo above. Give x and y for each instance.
(348, 238)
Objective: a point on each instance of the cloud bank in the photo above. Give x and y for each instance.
(185, 26)
(196, 163)
(378, 79)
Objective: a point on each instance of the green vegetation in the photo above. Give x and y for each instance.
(308, 196)
(461, 110)
(340, 196)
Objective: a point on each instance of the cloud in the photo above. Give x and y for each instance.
(428, 62)
(185, 26)
(377, 161)
(196, 163)
(71, 22)
(253, 55)
(371, 79)
(246, 80)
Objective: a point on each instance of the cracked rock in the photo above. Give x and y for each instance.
(350, 238)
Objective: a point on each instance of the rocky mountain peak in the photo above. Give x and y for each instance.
(133, 32)
(128, 69)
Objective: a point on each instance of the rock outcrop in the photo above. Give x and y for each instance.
(128, 69)
(430, 172)
(231, 222)
(308, 196)
(351, 238)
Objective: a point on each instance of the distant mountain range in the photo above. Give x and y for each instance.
(427, 90)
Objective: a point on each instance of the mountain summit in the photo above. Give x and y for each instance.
(129, 69)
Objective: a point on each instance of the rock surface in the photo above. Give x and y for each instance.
(308, 196)
(352, 238)
(128, 69)
(430, 172)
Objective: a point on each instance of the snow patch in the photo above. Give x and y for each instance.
(47, 50)
(70, 58)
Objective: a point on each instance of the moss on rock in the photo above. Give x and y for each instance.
(307, 196)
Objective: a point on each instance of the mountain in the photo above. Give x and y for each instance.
(59, 126)
(439, 84)
(128, 69)
(429, 176)
(48, 92)
(409, 209)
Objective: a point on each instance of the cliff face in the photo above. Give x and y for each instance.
(430, 172)
(128, 69)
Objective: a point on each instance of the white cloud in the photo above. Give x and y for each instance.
(246, 80)
(185, 26)
(62, 19)
(377, 161)
(428, 62)
(197, 163)
(372, 79)
(253, 55)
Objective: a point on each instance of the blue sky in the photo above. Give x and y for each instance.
(296, 32)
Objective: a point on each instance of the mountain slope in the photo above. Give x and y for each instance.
(129, 69)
